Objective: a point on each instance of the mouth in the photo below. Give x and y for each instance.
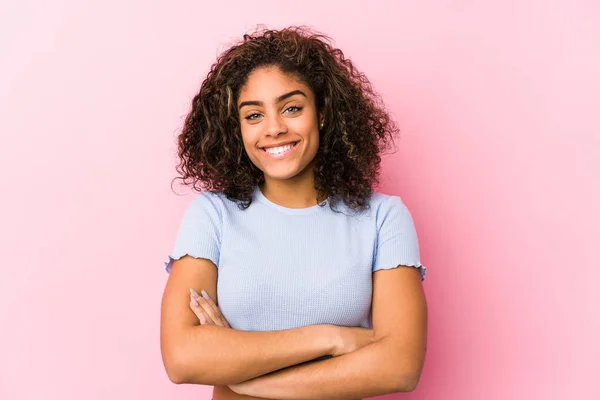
(280, 151)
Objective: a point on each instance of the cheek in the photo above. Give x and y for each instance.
(315, 139)
(249, 142)
(247, 139)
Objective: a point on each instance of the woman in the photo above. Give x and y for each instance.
(317, 277)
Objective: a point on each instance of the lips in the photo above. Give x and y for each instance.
(280, 151)
(279, 144)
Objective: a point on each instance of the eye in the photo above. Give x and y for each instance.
(252, 116)
(293, 109)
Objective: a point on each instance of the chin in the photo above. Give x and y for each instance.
(280, 176)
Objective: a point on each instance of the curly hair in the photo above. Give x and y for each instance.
(357, 127)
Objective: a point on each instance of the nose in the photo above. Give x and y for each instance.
(275, 125)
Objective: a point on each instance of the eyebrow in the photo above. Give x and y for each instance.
(277, 100)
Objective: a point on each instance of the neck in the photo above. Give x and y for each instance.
(297, 192)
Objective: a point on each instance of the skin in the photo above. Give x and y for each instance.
(275, 107)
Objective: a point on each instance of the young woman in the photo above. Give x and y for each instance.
(317, 277)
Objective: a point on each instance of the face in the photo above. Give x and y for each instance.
(279, 124)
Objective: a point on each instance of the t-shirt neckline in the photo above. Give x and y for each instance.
(258, 195)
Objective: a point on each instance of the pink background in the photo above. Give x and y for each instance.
(498, 104)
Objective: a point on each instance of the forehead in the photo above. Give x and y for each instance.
(267, 83)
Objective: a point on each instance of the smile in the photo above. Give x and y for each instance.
(281, 151)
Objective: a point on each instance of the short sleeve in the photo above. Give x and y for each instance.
(199, 233)
(397, 242)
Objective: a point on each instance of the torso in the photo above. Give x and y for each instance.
(286, 269)
(260, 280)
(224, 393)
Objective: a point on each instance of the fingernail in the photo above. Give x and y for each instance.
(205, 295)
(194, 294)
(194, 303)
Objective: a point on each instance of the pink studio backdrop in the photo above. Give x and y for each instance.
(498, 163)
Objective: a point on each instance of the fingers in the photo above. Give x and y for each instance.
(216, 311)
(210, 310)
(197, 309)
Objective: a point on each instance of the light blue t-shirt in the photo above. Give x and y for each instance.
(282, 268)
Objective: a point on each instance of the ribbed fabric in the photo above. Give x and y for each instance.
(282, 268)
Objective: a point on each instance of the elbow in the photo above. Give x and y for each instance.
(407, 382)
(406, 385)
(177, 363)
(181, 369)
(175, 369)
(175, 377)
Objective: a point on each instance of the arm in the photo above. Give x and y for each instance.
(214, 355)
(391, 364)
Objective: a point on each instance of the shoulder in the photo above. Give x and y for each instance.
(378, 205)
(208, 196)
(383, 204)
(379, 199)
(204, 207)
(391, 213)
(209, 201)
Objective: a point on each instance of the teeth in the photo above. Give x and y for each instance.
(278, 150)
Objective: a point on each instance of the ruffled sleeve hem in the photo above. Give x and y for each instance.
(421, 267)
(176, 256)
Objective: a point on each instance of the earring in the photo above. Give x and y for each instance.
(322, 125)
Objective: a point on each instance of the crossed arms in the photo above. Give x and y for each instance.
(266, 364)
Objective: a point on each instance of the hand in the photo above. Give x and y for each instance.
(206, 310)
(350, 339)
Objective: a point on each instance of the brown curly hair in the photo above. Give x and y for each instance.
(357, 127)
